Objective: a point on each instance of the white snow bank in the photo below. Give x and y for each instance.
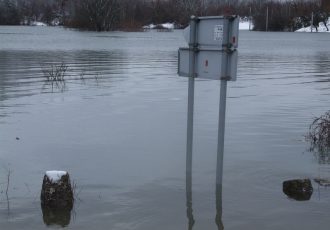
(245, 25)
(321, 28)
(168, 25)
(150, 26)
(35, 23)
(55, 176)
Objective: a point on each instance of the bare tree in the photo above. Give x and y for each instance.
(99, 15)
(190, 7)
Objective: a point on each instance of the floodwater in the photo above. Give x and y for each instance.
(118, 126)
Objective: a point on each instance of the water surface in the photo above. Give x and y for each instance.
(118, 125)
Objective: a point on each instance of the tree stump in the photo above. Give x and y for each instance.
(56, 198)
(56, 216)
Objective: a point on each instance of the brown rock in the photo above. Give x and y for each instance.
(300, 189)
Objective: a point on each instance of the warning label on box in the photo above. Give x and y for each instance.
(218, 33)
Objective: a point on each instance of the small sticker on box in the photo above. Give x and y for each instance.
(218, 32)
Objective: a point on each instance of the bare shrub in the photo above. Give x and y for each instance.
(55, 75)
(55, 72)
(319, 136)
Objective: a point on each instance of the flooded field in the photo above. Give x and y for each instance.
(117, 124)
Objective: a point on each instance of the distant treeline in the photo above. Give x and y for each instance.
(289, 15)
(105, 15)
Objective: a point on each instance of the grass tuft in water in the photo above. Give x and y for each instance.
(319, 136)
(55, 73)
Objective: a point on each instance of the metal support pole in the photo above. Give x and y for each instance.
(250, 19)
(220, 153)
(267, 15)
(190, 121)
(312, 22)
(190, 124)
(221, 132)
(191, 87)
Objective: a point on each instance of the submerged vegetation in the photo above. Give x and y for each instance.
(55, 75)
(319, 137)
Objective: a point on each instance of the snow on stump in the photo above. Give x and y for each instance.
(56, 192)
(300, 190)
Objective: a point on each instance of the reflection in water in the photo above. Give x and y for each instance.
(322, 65)
(190, 216)
(323, 157)
(218, 200)
(8, 204)
(53, 216)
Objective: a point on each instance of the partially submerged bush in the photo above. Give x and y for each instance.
(319, 134)
(55, 73)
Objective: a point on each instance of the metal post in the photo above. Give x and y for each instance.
(192, 47)
(221, 131)
(191, 87)
(190, 123)
(267, 19)
(220, 153)
(190, 215)
(312, 22)
(190, 119)
(250, 18)
(189, 149)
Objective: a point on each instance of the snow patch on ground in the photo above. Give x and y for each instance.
(167, 25)
(243, 25)
(150, 26)
(35, 23)
(321, 28)
(55, 176)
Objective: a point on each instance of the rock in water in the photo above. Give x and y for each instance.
(56, 190)
(300, 189)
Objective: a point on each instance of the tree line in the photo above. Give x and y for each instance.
(290, 15)
(105, 15)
